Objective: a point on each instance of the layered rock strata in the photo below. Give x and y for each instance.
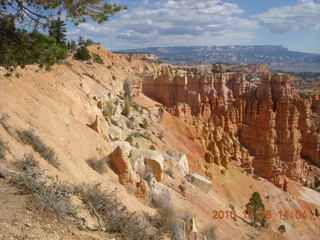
(266, 126)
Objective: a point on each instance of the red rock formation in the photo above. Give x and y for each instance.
(270, 120)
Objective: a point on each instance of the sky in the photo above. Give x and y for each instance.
(294, 24)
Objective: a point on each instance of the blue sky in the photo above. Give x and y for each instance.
(295, 24)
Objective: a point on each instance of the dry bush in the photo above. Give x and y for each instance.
(3, 148)
(3, 122)
(98, 165)
(127, 106)
(114, 216)
(51, 196)
(210, 232)
(27, 163)
(29, 137)
(108, 110)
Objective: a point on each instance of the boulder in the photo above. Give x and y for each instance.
(124, 145)
(181, 161)
(201, 182)
(143, 190)
(138, 165)
(153, 161)
(121, 165)
(95, 125)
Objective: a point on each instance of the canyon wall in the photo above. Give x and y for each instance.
(267, 126)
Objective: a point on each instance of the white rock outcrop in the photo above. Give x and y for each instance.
(153, 160)
(181, 161)
(201, 182)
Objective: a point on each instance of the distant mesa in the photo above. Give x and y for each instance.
(275, 57)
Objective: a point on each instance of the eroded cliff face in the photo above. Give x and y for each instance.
(266, 127)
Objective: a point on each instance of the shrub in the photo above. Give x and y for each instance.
(152, 147)
(282, 229)
(160, 111)
(3, 148)
(216, 68)
(52, 196)
(108, 110)
(144, 124)
(82, 53)
(115, 217)
(29, 137)
(126, 107)
(127, 88)
(98, 165)
(182, 188)
(97, 58)
(256, 175)
(129, 139)
(210, 232)
(137, 107)
(27, 163)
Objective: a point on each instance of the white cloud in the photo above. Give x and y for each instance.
(174, 22)
(304, 15)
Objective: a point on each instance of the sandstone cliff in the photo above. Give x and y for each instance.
(240, 121)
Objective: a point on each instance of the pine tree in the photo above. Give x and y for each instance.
(57, 30)
(27, 45)
(82, 53)
(71, 46)
(255, 207)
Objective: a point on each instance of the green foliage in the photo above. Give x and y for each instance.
(27, 48)
(57, 30)
(137, 107)
(160, 111)
(71, 46)
(108, 110)
(182, 188)
(256, 175)
(129, 139)
(30, 45)
(255, 207)
(152, 147)
(144, 124)
(39, 12)
(304, 96)
(282, 229)
(216, 68)
(82, 54)
(29, 137)
(97, 58)
(84, 42)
